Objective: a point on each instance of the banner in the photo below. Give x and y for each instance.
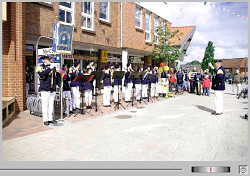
(64, 39)
(55, 36)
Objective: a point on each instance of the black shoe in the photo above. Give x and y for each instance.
(90, 107)
(71, 112)
(109, 105)
(53, 122)
(213, 113)
(46, 123)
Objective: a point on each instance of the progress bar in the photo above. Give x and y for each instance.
(211, 169)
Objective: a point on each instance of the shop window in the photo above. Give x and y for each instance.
(148, 27)
(156, 38)
(88, 15)
(66, 13)
(104, 11)
(138, 17)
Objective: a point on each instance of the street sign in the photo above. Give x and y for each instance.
(45, 51)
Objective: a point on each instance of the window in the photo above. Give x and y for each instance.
(138, 17)
(66, 13)
(156, 38)
(148, 27)
(88, 15)
(104, 11)
(163, 25)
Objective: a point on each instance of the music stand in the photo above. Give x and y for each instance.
(150, 77)
(80, 79)
(97, 76)
(141, 75)
(133, 75)
(118, 75)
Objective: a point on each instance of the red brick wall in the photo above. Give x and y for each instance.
(13, 54)
(40, 19)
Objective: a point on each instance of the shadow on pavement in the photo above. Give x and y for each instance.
(230, 93)
(203, 108)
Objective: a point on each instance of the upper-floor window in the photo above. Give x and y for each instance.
(66, 13)
(148, 27)
(88, 15)
(163, 25)
(104, 11)
(156, 38)
(138, 17)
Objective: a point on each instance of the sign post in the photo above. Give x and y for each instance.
(62, 44)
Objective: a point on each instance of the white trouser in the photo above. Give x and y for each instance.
(116, 93)
(153, 89)
(218, 101)
(156, 89)
(68, 95)
(144, 90)
(47, 105)
(128, 89)
(138, 91)
(88, 95)
(106, 95)
(238, 88)
(75, 97)
(27, 89)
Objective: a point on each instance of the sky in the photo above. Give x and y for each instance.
(214, 22)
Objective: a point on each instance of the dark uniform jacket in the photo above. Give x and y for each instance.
(218, 81)
(127, 79)
(45, 78)
(106, 79)
(88, 85)
(73, 75)
(66, 85)
(179, 77)
(154, 78)
(163, 74)
(145, 80)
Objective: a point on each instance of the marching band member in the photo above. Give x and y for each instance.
(92, 67)
(138, 85)
(117, 84)
(106, 78)
(74, 72)
(128, 83)
(48, 81)
(154, 82)
(145, 83)
(88, 87)
(66, 85)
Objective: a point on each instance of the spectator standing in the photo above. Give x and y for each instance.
(172, 80)
(237, 81)
(179, 81)
(186, 81)
(191, 77)
(206, 86)
(28, 81)
(198, 82)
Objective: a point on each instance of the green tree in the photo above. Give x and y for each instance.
(194, 62)
(165, 50)
(208, 56)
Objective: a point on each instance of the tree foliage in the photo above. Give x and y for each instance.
(194, 62)
(164, 50)
(208, 56)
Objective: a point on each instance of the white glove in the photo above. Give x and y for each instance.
(210, 65)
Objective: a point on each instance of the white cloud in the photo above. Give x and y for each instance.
(229, 33)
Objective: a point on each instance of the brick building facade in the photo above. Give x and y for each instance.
(97, 26)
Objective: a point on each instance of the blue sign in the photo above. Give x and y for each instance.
(64, 39)
(57, 58)
(55, 36)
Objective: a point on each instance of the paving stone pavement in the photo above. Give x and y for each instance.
(176, 129)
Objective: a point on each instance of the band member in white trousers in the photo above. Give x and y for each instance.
(138, 86)
(218, 85)
(106, 79)
(117, 84)
(128, 83)
(74, 72)
(49, 79)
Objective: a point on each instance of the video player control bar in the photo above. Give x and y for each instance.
(212, 169)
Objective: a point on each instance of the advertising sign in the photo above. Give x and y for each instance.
(104, 56)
